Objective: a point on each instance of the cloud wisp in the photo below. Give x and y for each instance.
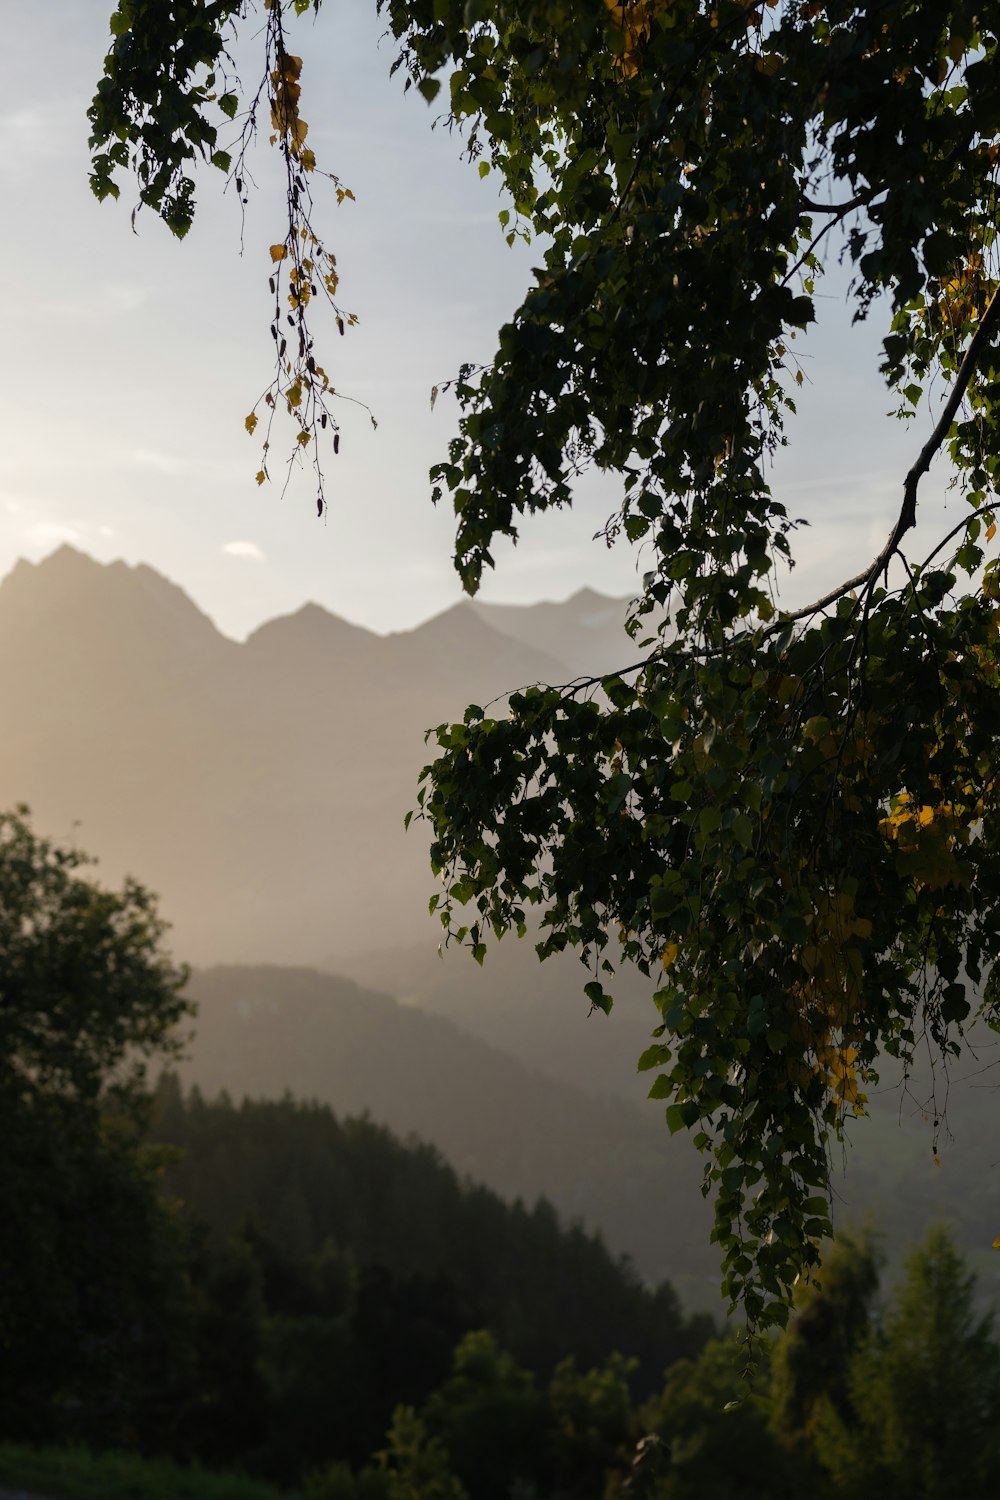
(245, 551)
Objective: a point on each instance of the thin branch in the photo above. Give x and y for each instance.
(839, 213)
(908, 510)
(824, 603)
(908, 513)
(858, 201)
(981, 510)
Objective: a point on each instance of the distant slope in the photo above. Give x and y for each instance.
(888, 1173)
(586, 632)
(263, 1030)
(534, 1011)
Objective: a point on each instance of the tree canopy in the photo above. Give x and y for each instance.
(922, 1391)
(88, 1287)
(790, 819)
(87, 991)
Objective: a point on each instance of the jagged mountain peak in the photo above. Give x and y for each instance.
(114, 591)
(311, 627)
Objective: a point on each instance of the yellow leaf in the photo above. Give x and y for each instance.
(810, 957)
(261, 476)
(996, 1244)
(278, 252)
(669, 954)
(991, 531)
(815, 728)
(251, 422)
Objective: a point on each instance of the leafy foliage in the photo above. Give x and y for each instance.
(810, 1371)
(790, 820)
(149, 112)
(706, 1442)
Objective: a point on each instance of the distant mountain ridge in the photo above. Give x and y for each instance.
(254, 784)
(584, 631)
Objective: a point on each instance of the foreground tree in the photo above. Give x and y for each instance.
(811, 1364)
(704, 1443)
(91, 1295)
(923, 1392)
(789, 818)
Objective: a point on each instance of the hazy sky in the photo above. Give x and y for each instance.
(131, 360)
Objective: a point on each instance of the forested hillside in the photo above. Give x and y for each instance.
(391, 1229)
(261, 1031)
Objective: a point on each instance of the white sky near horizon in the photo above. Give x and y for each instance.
(132, 360)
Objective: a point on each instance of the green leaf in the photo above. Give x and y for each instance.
(598, 997)
(743, 830)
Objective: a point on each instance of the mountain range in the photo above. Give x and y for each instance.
(260, 788)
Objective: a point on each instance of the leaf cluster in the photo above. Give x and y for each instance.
(151, 112)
